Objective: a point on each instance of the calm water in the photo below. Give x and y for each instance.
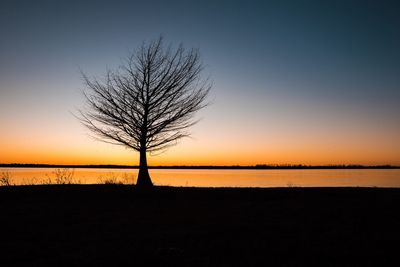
(218, 178)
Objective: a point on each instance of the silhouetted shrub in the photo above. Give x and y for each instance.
(64, 176)
(6, 179)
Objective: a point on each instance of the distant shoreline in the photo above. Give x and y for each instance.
(200, 167)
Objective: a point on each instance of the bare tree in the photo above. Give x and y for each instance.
(149, 102)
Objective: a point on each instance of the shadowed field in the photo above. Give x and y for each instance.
(117, 225)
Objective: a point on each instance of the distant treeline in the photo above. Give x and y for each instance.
(239, 167)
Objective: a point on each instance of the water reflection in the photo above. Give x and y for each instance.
(216, 178)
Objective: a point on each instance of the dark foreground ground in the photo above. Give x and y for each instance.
(103, 225)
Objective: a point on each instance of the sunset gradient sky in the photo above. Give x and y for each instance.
(310, 82)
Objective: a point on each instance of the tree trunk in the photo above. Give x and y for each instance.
(143, 179)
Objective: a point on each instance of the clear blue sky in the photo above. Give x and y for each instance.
(294, 81)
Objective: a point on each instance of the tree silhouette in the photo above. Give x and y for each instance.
(148, 103)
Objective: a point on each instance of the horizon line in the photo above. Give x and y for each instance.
(255, 166)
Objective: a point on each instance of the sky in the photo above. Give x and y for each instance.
(295, 82)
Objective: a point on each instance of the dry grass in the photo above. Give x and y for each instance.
(109, 178)
(6, 179)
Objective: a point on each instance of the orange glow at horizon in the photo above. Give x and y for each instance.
(226, 137)
(200, 152)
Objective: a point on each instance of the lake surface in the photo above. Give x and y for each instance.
(217, 178)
